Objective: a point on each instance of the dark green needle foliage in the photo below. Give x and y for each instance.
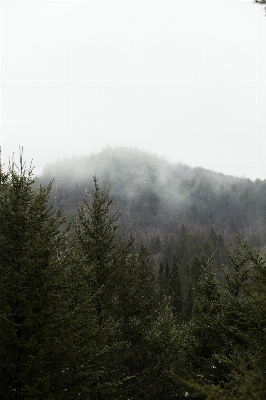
(32, 350)
(175, 290)
(83, 316)
(93, 273)
(114, 309)
(225, 339)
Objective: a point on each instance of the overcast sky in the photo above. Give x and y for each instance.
(182, 79)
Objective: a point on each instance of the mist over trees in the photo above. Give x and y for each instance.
(126, 277)
(158, 197)
(88, 311)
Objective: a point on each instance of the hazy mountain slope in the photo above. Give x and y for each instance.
(155, 196)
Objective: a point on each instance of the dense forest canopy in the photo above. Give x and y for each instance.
(87, 311)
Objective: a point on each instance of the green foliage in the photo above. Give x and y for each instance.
(32, 348)
(224, 346)
(174, 288)
(93, 274)
(161, 347)
(82, 315)
(113, 305)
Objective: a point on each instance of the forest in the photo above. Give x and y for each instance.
(131, 278)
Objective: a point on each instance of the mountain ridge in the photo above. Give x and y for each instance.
(158, 196)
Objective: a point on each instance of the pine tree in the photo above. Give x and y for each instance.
(161, 346)
(113, 305)
(208, 346)
(96, 233)
(175, 289)
(181, 250)
(161, 270)
(234, 365)
(246, 282)
(93, 278)
(194, 270)
(139, 300)
(165, 279)
(204, 325)
(188, 304)
(32, 348)
(167, 272)
(158, 245)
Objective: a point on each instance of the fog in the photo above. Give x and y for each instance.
(181, 79)
(129, 167)
(157, 195)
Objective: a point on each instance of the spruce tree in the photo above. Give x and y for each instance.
(160, 280)
(112, 303)
(138, 298)
(32, 349)
(152, 335)
(181, 250)
(114, 307)
(225, 339)
(204, 327)
(175, 289)
(161, 348)
(96, 233)
(92, 276)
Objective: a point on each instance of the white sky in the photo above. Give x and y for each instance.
(182, 79)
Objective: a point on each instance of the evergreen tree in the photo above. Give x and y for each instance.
(175, 290)
(188, 304)
(246, 277)
(158, 245)
(151, 335)
(139, 301)
(33, 352)
(96, 233)
(161, 279)
(204, 328)
(194, 270)
(167, 271)
(113, 305)
(234, 365)
(161, 270)
(182, 243)
(161, 346)
(93, 278)
(166, 280)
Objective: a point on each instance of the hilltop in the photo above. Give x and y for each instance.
(155, 196)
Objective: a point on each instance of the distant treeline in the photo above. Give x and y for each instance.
(156, 197)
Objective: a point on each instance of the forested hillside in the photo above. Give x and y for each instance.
(158, 197)
(170, 208)
(84, 314)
